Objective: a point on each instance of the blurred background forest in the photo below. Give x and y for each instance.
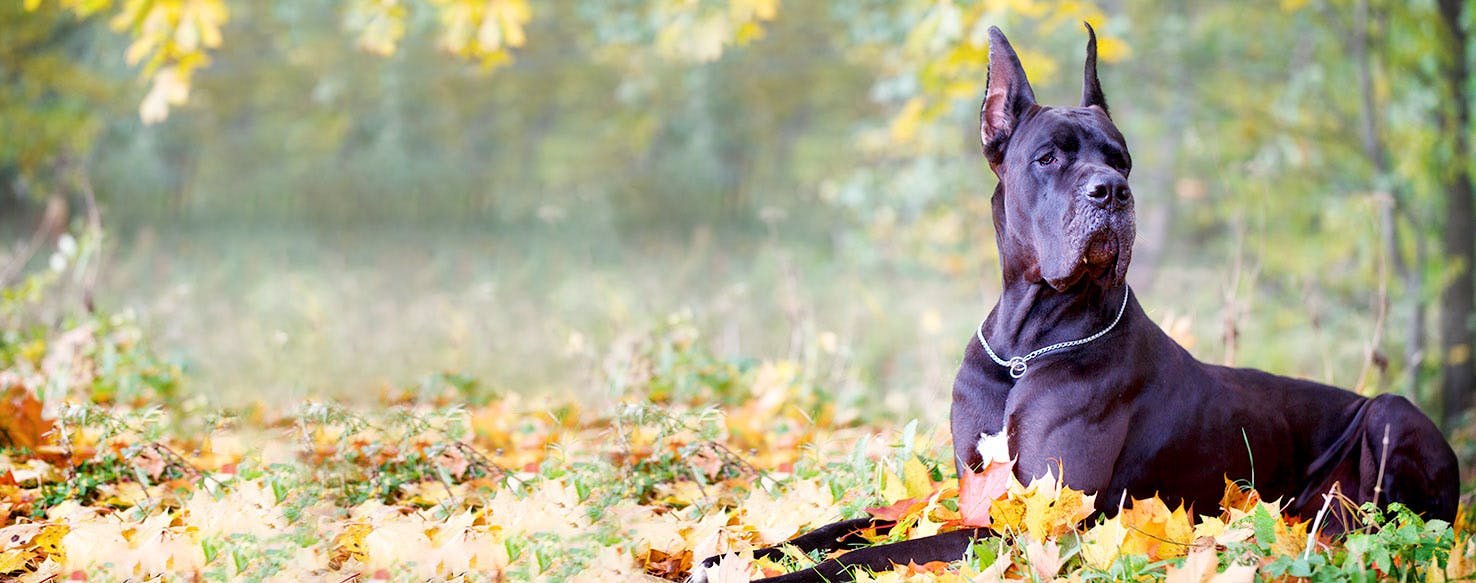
(313, 197)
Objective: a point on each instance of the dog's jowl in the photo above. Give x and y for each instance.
(1068, 372)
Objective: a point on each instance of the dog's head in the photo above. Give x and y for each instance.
(1063, 212)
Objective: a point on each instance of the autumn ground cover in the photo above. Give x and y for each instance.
(312, 197)
(111, 471)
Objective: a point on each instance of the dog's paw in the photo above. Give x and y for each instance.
(699, 571)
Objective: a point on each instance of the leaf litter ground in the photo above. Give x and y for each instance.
(692, 456)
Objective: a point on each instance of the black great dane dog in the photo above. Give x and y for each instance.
(1068, 371)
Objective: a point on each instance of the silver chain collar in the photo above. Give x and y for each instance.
(1018, 364)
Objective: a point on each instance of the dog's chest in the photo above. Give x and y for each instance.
(995, 446)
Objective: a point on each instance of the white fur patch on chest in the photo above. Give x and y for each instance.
(995, 447)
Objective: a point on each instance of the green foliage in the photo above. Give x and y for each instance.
(53, 103)
(376, 459)
(841, 130)
(60, 350)
(673, 365)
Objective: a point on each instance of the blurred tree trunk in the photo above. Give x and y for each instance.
(1459, 375)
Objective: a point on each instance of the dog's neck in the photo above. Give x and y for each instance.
(1030, 313)
(1034, 315)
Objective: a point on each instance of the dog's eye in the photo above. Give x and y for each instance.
(1046, 160)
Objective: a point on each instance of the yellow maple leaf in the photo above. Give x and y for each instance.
(1047, 508)
(927, 525)
(15, 560)
(892, 487)
(48, 541)
(1291, 539)
(733, 568)
(1102, 543)
(1180, 529)
(917, 477)
(1155, 531)
(1008, 514)
(915, 482)
(349, 545)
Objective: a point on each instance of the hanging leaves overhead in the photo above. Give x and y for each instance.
(700, 31)
(171, 40)
(484, 31)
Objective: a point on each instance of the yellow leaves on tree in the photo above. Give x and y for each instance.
(483, 30)
(700, 31)
(379, 23)
(948, 52)
(171, 38)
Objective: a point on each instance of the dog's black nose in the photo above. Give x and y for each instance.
(1107, 191)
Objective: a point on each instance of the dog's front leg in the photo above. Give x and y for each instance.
(947, 547)
(833, 536)
(1073, 436)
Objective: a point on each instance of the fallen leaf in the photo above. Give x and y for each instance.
(1101, 544)
(349, 545)
(149, 460)
(899, 509)
(14, 561)
(22, 426)
(1155, 531)
(734, 568)
(1044, 558)
(978, 491)
(1045, 509)
(1199, 566)
(1238, 498)
(706, 462)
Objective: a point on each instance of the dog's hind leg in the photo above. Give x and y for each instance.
(833, 536)
(949, 546)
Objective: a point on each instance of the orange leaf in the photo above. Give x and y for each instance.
(1237, 498)
(899, 509)
(977, 491)
(1156, 531)
(928, 568)
(22, 426)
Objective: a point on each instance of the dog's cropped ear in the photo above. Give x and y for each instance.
(1007, 97)
(1091, 89)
